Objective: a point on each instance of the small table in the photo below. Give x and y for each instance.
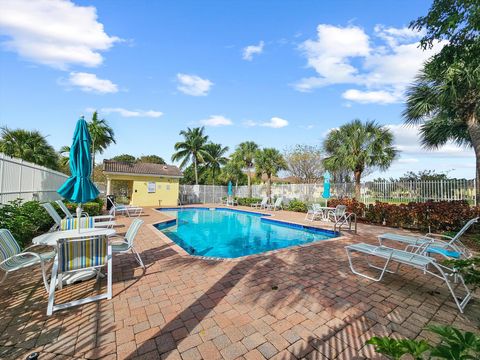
(325, 210)
(51, 239)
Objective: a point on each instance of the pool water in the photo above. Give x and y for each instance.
(225, 233)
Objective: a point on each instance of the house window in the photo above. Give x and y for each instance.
(151, 187)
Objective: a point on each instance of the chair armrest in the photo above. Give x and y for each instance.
(20, 255)
(434, 236)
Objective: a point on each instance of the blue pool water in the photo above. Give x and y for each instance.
(225, 233)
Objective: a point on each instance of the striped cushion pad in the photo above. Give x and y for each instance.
(8, 245)
(72, 224)
(26, 260)
(81, 254)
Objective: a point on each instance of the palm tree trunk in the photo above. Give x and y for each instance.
(93, 165)
(358, 177)
(249, 175)
(195, 168)
(474, 132)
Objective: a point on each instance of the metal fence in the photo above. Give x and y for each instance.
(28, 181)
(387, 191)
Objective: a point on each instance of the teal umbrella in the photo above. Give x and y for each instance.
(79, 188)
(326, 185)
(230, 190)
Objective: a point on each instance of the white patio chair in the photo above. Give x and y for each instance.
(12, 258)
(69, 215)
(126, 243)
(446, 246)
(314, 212)
(58, 220)
(277, 205)
(339, 214)
(126, 210)
(79, 254)
(260, 205)
(424, 263)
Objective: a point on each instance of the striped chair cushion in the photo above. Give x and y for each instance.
(82, 253)
(132, 230)
(8, 245)
(72, 224)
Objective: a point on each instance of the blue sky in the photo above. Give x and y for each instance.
(276, 72)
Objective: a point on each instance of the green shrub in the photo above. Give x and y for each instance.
(248, 201)
(297, 205)
(92, 208)
(25, 220)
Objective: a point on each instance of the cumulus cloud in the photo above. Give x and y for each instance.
(193, 85)
(251, 50)
(91, 83)
(56, 33)
(274, 122)
(133, 113)
(216, 120)
(381, 65)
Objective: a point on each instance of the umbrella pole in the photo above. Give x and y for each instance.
(79, 215)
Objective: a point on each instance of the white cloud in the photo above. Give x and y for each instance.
(216, 120)
(251, 50)
(133, 113)
(56, 33)
(366, 97)
(91, 83)
(193, 85)
(347, 55)
(274, 122)
(408, 161)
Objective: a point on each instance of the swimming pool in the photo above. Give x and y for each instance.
(228, 233)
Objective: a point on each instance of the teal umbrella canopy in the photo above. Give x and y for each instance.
(79, 187)
(326, 185)
(230, 190)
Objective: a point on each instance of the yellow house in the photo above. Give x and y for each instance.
(148, 184)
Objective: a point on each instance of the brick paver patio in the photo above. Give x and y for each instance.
(301, 302)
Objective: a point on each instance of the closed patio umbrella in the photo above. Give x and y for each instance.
(326, 185)
(230, 190)
(79, 188)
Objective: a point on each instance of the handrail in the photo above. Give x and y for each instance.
(346, 219)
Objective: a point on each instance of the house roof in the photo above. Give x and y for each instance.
(118, 167)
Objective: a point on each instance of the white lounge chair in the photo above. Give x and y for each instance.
(447, 246)
(314, 212)
(78, 254)
(277, 205)
(58, 220)
(424, 263)
(12, 258)
(260, 205)
(125, 244)
(126, 210)
(69, 215)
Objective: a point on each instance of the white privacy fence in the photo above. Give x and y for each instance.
(385, 191)
(28, 181)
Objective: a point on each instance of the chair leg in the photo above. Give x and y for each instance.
(137, 255)
(4, 277)
(53, 280)
(109, 272)
(379, 278)
(44, 275)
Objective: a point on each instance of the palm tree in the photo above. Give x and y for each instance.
(192, 148)
(269, 161)
(102, 136)
(29, 146)
(216, 158)
(358, 146)
(446, 102)
(232, 171)
(245, 155)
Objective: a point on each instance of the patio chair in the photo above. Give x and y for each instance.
(277, 205)
(12, 257)
(58, 220)
(424, 263)
(446, 246)
(314, 211)
(231, 201)
(337, 215)
(260, 205)
(126, 210)
(78, 254)
(126, 243)
(69, 215)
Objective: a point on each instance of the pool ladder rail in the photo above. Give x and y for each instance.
(348, 219)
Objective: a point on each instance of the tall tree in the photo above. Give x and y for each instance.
(245, 155)
(191, 149)
(102, 136)
(269, 161)
(305, 162)
(445, 97)
(125, 158)
(358, 146)
(216, 158)
(232, 171)
(29, 146)
(153, 159)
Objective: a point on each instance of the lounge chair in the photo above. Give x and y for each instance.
(77, 254)
(12, 257)
(69, 215)
(447, 246)
(58, 220)
(126, 210)
(126, 243)
(260, 205)
(424, 263)
(277, 205)
(314, 212)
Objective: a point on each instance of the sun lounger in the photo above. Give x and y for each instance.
(427, 265)
(58, 220)
(69, 215)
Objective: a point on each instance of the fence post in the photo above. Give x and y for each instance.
(2, 174)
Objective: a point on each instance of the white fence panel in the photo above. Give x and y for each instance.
(27, 181)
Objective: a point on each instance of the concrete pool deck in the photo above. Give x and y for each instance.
(295, 303)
